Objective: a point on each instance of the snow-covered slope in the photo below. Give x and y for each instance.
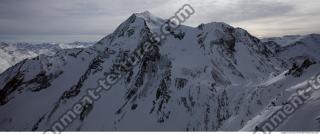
(12, 53)
(208, 78)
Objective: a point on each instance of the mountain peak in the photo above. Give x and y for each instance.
(149, 18)
(145, 14)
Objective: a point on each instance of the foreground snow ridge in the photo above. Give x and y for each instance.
(213, 77)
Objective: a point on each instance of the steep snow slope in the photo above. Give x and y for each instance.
(277, 92)
(212, 77)
(12, 53)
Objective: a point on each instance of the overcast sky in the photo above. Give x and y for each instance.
(100, 17)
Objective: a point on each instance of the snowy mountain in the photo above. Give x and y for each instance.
(12, 53)
(285, 40)
(212, 77)
(296, 48)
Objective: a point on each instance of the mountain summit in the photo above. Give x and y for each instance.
(212, 77)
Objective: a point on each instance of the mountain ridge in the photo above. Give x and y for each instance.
(12, 53)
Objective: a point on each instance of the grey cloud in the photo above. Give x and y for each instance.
(103, 16)
(258, 9)
(67, 17)
(243, 10)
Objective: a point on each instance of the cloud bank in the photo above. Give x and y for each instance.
(99, 17)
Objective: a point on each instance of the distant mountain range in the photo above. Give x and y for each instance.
(213, 77)
(12, 53)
